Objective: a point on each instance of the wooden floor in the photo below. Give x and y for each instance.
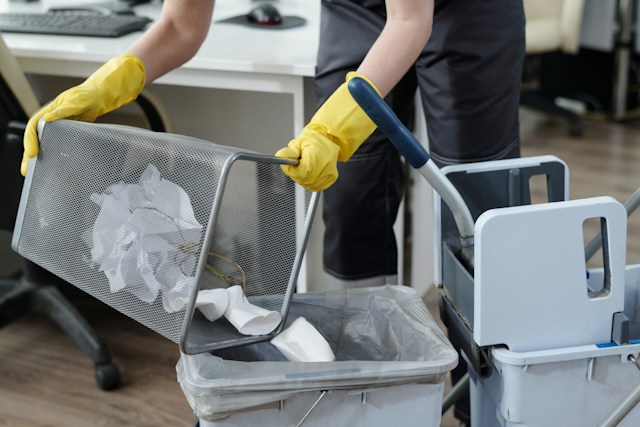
(46, 382)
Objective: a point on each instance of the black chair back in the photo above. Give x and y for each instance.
(12, 123)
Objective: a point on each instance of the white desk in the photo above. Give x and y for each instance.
(232, 56)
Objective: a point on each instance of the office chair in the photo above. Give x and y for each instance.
(36, 290)
(553, 26)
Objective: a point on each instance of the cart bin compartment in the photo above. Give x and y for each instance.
(391, 363)
(571, 386)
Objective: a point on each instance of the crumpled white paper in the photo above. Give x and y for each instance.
(145, 239)
(301, 342)
(248, 319)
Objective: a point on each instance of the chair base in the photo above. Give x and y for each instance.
(36, 292)
(540, 102)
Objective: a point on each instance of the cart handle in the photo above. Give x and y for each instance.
(382, 115)
(407, 144)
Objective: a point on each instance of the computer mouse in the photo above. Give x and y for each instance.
(265, 14)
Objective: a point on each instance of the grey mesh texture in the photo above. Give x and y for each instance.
(256, 234)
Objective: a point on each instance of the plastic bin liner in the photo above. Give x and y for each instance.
(382, 336)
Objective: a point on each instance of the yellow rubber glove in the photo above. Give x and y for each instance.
(118, 82)
(334, 133)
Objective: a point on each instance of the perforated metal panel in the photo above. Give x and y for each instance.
(254, 224)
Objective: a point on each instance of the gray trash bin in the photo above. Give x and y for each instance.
(391, 363)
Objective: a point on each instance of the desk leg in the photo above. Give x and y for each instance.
(303, 109)
(621, 83)
(421, 250)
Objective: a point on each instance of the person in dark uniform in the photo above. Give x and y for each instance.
(468, 70)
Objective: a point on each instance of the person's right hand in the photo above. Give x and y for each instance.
(334, 133)
(118, 82)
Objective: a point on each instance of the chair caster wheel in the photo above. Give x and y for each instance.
(575, 129)
(107, 376)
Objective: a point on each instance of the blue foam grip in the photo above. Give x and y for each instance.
(382, 115)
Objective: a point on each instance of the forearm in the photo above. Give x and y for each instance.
(175, 37)
(407, 30)
(339, 127)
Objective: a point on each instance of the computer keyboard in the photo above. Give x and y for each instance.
(72, 23)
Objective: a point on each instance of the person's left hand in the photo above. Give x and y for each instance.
(116, 83)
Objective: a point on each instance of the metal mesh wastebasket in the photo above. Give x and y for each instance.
(143, 221)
